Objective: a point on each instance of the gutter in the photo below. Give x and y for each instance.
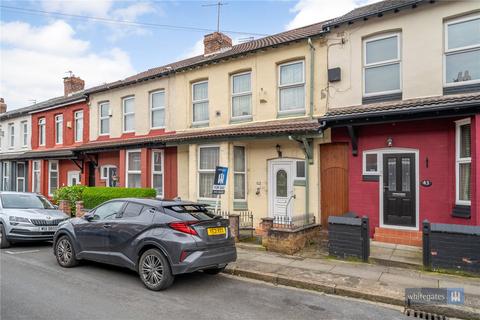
(312, 75)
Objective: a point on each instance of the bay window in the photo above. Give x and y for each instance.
(241, 95)
(104, 118)
(208, 160)
(58, 129)
(381, 65)
(463, 162)
(78, 126)
(200, 102)
(157, 109)
(52, 176)
(239, 173)
(134, 171)
(291, 85)
(128, 107)
(157, 172)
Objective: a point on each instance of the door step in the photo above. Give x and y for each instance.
(395, 236)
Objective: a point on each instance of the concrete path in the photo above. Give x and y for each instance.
(359, 280)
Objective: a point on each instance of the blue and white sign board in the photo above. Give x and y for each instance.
(220, 180)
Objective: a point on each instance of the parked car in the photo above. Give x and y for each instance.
(27, 217)
(157, 238)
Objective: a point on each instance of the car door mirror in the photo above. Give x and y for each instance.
(89, 216)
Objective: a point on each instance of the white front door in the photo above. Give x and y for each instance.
(73, 178)
(281, 187)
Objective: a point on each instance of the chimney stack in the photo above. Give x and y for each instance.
(216, 42)
(72, 84)
(3, 106)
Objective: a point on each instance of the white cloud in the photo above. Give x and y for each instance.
(97, 8)
(33, 69)
(313, 11)
(195, 50)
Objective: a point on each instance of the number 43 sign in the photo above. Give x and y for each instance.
(220, 180)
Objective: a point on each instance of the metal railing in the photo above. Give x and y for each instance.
(285, 222)
(246, 228)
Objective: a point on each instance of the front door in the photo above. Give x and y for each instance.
(73, 178)
(281, 188)
(399, 187)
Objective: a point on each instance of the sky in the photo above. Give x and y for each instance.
(41, 41)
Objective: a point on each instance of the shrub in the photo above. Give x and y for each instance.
(71, 194)
(93, 196)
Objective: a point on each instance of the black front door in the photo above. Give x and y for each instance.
(91, 174)
(399, 189)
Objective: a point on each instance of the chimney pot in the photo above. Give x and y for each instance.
(3, 106)
(72, 84)
(216, 42)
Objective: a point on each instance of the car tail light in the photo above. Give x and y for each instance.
(184, 227)
(184, 255)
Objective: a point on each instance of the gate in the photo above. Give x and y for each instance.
(245, 223)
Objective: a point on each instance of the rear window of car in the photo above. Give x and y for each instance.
(132, 209)
(189, 212)
(24, 201)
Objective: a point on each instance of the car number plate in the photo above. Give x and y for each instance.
(48, 228)
(216, 231)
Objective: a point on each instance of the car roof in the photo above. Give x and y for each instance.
(161, 202)
(16, 192)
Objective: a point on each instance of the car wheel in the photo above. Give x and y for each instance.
(4, 243)
(214, 270)
(65, 253)
(154, 270)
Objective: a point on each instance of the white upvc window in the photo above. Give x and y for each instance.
(157, 109)
(463, 162)
(24, 126)
(134, 170)
(462, 51)
(21, 173)
(239, 173)
(41, 131)
(104, 112)
(382, 65)
(208, 160)
(36, 176)
(157, 171)
(241, 84)
(58, 129)
(128, 108)
(200, 102)
(109, 174)
(291, 87)
(11, 135)
(78, 125)
(6, 176)
(370, 163)
(52, 176)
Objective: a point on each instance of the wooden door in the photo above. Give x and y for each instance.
(333, 180)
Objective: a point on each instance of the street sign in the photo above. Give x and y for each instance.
(220, 180)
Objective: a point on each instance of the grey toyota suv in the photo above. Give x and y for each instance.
(157, 238)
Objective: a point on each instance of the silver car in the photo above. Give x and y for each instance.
(27, 217)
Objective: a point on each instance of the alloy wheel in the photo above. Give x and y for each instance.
(152, 270)
(64, 251)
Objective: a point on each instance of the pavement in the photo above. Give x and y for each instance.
(33, 286)
(373, 282)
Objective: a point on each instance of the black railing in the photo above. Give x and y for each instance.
(245, 222)
(285, 222)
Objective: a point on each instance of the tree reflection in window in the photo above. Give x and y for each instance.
(281, 183)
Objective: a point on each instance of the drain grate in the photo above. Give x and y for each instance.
(423, 315)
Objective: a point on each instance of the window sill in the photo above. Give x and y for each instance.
(240, 205)
(382, 98)
(286, 114)
(241, 119)
(300, 182)
(370, 177)
(461, 211)
(200, 124)
(461, 88)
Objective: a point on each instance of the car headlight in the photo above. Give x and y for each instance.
(18, 219)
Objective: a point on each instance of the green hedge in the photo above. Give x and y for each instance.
(71, 194)
(93, 196)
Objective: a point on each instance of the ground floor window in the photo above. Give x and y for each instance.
(6, 176)
(109, 174)
(36, 176)
(463, 162)
(208, 159)
(134, 173)
(21, 173)
(239, 173)
(52, 176)
(157, 172)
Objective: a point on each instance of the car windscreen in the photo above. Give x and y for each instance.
(24, 201)
(190, 212)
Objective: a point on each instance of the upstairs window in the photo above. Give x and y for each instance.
(200, 102)
(157, 109)
(381, 67)
(59, 129)
(463, 162)
(104, 118)
(291, 85)
(462, 51)
(24, 126)
(241, 95)
(41, 131)
(78, 126)
(128, 114)
(11, 135)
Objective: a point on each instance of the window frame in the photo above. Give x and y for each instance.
(296, 177)
(22, 178)
(127, 171)
(39, 170)
(103, 118)
(42, 124)
(76, 118)
(366, 66)
(199, 170)
(241, 94)
(202, 122)
(11, 135)
(291, 85)
(6, 172)
(50, 176)
(152, 109)
(458, 161)
(58, 138)
(162, 172)
(364, 163)
(24, 126)
(124, 114)
(240, 172)
(447, 51)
